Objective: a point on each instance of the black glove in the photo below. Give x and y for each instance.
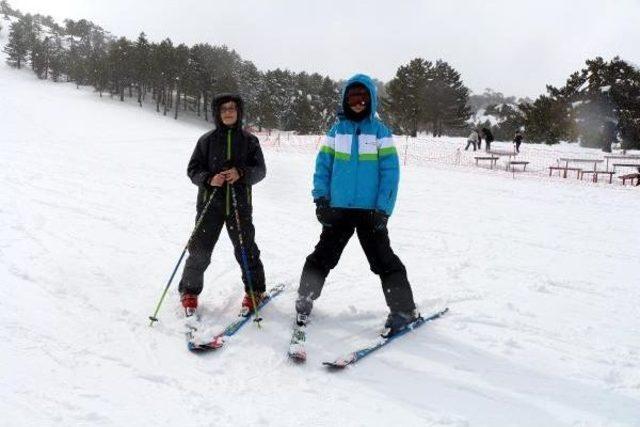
(379, 220)
(324, 212)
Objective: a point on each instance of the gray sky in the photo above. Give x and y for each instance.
(512, 46)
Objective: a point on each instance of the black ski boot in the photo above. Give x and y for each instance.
(398, 321)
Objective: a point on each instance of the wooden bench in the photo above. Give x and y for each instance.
(565, 169)
(631, 177)
(517, 162)
(626, 165)
(492, 159)
(596, 173)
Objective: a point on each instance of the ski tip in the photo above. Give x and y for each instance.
(334, 366)
(214, 344)
(194, 348)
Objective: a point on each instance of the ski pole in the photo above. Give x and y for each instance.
(245, 262)
(154, 317)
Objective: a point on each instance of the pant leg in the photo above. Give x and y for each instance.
(253, 270)
(200, 249)
(386, 264)
(324, 257)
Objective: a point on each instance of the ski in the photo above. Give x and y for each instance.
(351, 358)
(192, 324)
(297, 351)
(243, 317)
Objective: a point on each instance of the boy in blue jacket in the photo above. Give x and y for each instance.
(354, 188)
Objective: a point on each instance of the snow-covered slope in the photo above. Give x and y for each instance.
(541, 279)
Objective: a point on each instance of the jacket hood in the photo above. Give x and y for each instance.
(222, 99)
(367, 82)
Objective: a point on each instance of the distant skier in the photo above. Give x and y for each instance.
(488, 138)
(354, 188)
(473, 140)
(229, 160)
(517, 140)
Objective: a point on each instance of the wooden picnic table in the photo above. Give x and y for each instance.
(514, 162)
(596, 173)
(492, 159)
(626, 165)
(578, 171)
(507, 153)
(631, 177)
(574, 160)
(618, 157)
(502, 153)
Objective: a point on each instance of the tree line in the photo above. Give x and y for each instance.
(597, 104)
(178, 78)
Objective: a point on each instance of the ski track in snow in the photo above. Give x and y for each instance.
(541, 279)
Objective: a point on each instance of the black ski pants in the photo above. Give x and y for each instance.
(377, 248)
(202, 244)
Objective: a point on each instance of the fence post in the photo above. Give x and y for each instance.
(406, 148)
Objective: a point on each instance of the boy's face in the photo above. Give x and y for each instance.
(229, 113)
(359, 108)
(357, 98)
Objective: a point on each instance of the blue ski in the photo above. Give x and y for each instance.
(218, 340)
(351, 358)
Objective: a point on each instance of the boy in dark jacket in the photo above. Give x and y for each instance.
(226, 162)
(354, 188)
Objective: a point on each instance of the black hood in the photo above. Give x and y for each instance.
(224, 98)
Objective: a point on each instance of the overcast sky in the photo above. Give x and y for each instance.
(512, 46)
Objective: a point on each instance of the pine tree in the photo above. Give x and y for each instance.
(40, 57)
(181, 67)
(407, 96)
(266, 105)
(58, 64)
(446, 103)
(426, 96)
(141, 64)
(18, 46)
(596, 104)
(120, 60)
(546, 120)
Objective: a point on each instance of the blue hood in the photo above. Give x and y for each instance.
(370, 85)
